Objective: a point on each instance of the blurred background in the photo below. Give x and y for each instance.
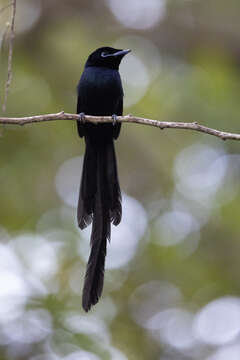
(172, 284)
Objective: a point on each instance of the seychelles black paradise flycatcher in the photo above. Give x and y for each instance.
(99, 93)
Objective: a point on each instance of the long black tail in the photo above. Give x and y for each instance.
(99, 202)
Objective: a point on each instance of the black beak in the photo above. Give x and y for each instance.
(121, 52)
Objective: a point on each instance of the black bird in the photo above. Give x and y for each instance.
(99, 93)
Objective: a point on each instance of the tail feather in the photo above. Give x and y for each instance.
(94, 277)
(87, 188)
(114, 188)
(100, 202)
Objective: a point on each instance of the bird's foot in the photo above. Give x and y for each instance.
(82, 118)
(114, 118)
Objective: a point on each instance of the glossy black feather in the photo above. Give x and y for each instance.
(94, 277)
(87, 187)
(99, 93)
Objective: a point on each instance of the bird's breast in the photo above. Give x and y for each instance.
(100, 90)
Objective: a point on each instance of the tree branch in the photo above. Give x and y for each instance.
(10, 54)
(127, 119)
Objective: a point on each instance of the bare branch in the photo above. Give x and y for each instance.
(127, 119)
(10, 54)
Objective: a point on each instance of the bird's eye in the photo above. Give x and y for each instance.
(104, 54)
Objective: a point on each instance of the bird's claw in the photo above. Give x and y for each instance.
(114, 118)
(82, 118)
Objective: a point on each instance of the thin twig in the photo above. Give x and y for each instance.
(10, 54)
(127, 119)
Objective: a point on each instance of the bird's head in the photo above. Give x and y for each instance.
(106, 57)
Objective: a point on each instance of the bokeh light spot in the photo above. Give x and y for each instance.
(173, 227)
(226, 353)
(138, 14)
(175, 328)
(67, 180)
(148, 299)
(200, 171)
(218, 322)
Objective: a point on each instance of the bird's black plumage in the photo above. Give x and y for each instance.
(99, 93)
